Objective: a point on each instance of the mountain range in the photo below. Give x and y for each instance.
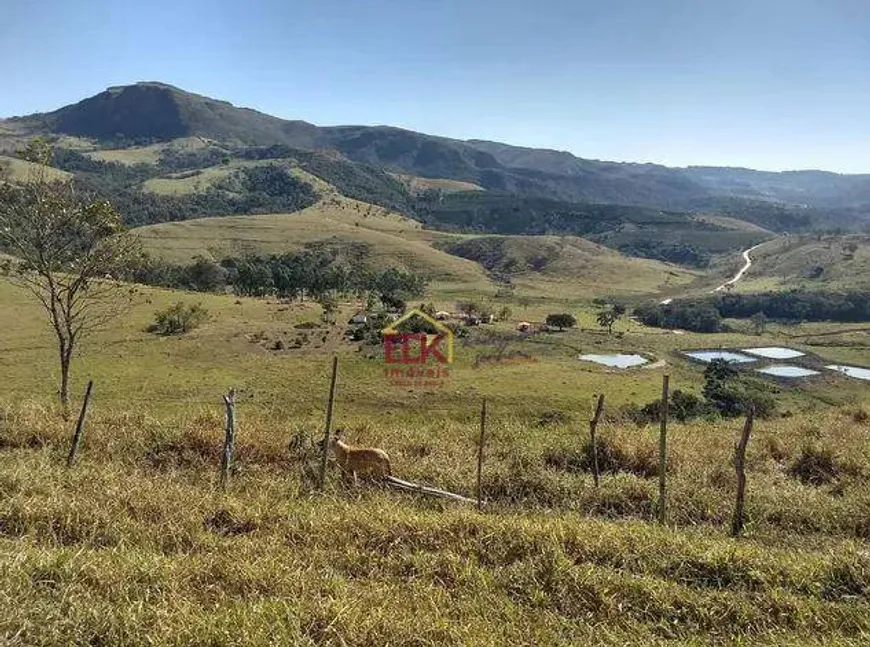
(149, 112)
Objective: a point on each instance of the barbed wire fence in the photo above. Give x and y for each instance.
(265, 404)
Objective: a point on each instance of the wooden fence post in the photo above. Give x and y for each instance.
(229, 438)
(663, 451)
(740, 467)
(80, 427)
(593, 426)
(480, 455)
(321, 477)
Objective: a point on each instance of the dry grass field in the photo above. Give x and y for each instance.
(137, 545)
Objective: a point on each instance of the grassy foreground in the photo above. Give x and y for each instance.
(137, 546)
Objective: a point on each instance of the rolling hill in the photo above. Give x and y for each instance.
(148, 112)
(810, 263)
(566, 267)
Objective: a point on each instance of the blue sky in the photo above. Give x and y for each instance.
(771, 84)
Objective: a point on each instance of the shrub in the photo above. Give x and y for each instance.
(683, 406)
(613, 458)
(178, 319)
(732, 394)
(815, 466)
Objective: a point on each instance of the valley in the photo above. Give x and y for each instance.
(542, 265)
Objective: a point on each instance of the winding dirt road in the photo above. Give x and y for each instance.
(747, 264)
(742, 271)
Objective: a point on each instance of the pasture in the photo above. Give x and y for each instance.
(137, 545)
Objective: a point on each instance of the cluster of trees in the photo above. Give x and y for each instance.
(697, 316)
(669, 252)
(797, 305)
(706, 315)
(269, 188)
(311, 273)
(173, 159)
(202, 275)
(354, 180)
(727, 393)
(506, 213)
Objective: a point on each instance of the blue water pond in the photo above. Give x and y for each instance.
(784, 370)
(774, 352)
(727, 355)
(616, 360)
(851, 371)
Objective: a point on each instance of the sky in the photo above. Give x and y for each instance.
(767, 84)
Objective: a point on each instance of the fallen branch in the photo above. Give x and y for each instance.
(425, 489)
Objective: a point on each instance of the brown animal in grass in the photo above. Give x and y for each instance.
(360, 462)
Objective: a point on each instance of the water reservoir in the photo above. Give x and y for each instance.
(774, 352)
(851, 371)
(727, 355)
(616, 360)
(784, 370)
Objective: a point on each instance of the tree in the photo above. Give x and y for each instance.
(70, 251)
(254, 278)
(606, 319)
(204, 275)
(329, 304)
(759, 321)
(561, 321)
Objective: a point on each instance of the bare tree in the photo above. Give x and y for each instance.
(68, 249)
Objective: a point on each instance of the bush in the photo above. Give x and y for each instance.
(815, 466)
(683, 406)
(178, 319)
(732, 394)
(613, 457)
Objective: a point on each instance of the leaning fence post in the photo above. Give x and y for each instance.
(80, 427)
(229, 438)
(480, 455)
(321, 477)
(663, 451)
(739, 466)
(593, 426)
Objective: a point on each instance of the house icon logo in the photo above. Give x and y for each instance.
(431, 342)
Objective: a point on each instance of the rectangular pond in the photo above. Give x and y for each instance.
(729, 356)
(784, 370)
(616, 360)
(774, 352)
(851, 371)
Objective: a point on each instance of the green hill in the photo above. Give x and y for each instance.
(810, 262)
(148, 112)
(567, 267)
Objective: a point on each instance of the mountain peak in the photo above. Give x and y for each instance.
(153, 110)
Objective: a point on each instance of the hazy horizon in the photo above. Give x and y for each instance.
(768, 85)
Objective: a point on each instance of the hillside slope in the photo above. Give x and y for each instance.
(150, 111)
(811, 262)
(564, 267)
